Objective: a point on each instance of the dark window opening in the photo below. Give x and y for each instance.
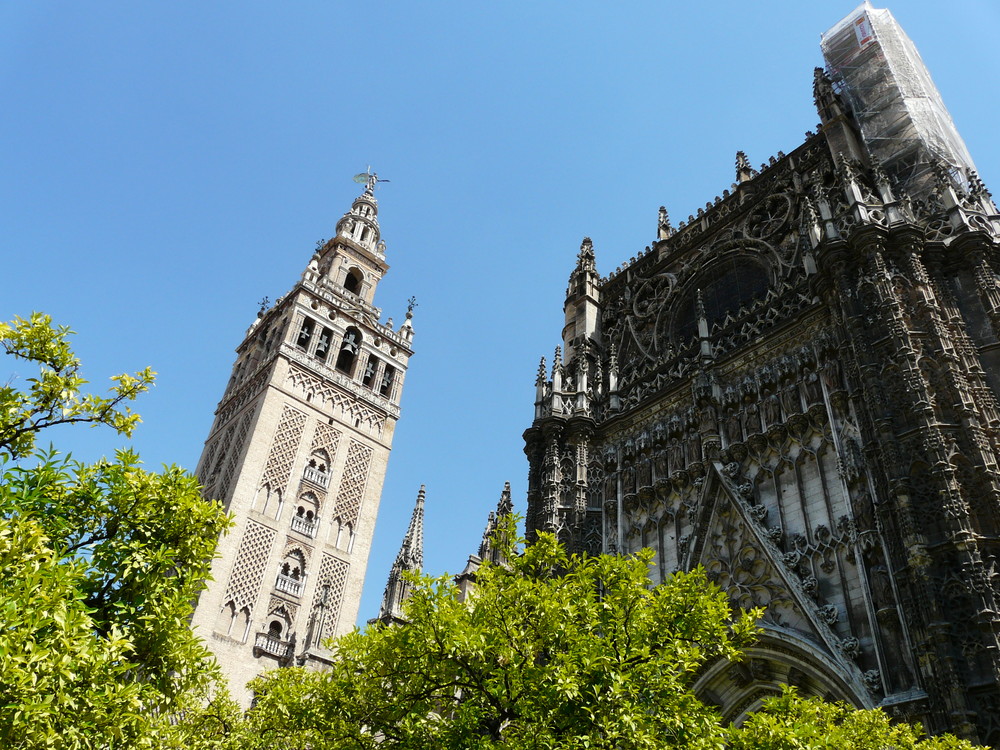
(369, 377)
(353, 281)
(305, 334)
(385, 387)
(349, 351)
(274, 629)
(325, 337)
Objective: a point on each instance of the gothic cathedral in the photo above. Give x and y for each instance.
(298, 453)
(798, 389)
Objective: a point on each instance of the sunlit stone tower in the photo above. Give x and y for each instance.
(797, 388)
(298, 453)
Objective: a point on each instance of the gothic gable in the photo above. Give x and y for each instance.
(730, 542)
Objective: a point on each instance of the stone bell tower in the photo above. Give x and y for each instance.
(298, 454)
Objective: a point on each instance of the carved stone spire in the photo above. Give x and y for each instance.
(410, 558)
(585, 259)
(487, 550)
(828, 102)
(663, 226)
(744, 172)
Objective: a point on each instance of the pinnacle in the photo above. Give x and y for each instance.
(540, 379)
(743, 169)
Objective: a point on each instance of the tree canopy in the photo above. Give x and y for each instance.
(551, 651)
(102, 563)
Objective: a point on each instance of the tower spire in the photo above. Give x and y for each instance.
(488, 550)
(410, 558)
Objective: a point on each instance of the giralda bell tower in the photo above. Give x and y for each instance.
(298, 454)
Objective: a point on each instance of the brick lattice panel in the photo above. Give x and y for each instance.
(251, 561)
(353, 483)
(332, 573)
(234, 455)
(327, 438)
(283, 449)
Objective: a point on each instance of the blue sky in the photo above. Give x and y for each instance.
(167, 165)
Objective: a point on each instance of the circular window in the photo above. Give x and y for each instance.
(726, 288)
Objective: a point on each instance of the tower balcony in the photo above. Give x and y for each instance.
(288, 584)
(316, 476)
(304, 526)
(266, 643)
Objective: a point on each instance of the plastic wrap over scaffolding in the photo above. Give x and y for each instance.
(877, 70)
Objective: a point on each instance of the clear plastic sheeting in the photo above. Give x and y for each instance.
(877, 70)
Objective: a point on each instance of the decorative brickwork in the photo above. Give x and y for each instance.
(346, 404)
(235, 450)
(332, 573)
(283, 449)
(251, 562)
(327, 438)
(352, 483)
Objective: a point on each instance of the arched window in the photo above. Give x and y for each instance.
(317, 469)
(305, 334)
(352, 282)
(292, 573)
(224, 623)
(725, 288)
(306, 515)
(368, 378)
(241, 625)
(323, 345)
(385, 385)
(349, 349)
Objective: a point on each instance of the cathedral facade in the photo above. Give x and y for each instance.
(797, 389)
(297, 454)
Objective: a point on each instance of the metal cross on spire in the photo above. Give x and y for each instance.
(370, 180)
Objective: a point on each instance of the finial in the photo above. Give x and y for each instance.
(264, 304)
(847, 166)
(663, 227)
(411, 303)
(812, 215)
(585, 258)
(320, 243)
(743, 169)
(557, 357)
(487, 551)
(699, 305)
(370, 180)
(881, 178)
(540, 379)
(505, 507)
(977, 188)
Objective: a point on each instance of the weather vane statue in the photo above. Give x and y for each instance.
(369, 179)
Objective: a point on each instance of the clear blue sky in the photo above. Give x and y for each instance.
(166, 165)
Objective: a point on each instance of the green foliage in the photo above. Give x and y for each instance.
(54, 397)
(788, 722)
(59, 685)
(102, 565)
(554, 651)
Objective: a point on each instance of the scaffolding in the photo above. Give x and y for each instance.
(877, 70)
